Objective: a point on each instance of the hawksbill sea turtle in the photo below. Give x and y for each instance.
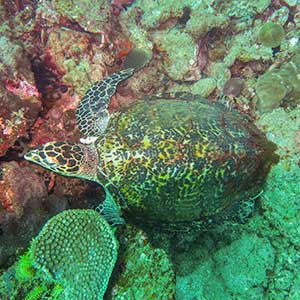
(162, 160)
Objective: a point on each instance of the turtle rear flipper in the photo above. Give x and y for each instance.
(92, 113)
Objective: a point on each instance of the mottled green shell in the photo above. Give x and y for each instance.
(176, 161)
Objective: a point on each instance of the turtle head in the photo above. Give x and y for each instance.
(67, 159)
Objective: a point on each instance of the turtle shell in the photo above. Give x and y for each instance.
(182, 160)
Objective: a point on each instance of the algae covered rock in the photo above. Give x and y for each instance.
(248, 268)
(20, 100)
(147, 271)
(22, 208)
(281, 198)
(92, 15)
(237, 271)
(177, 64)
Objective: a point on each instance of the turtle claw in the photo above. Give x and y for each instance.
(92, 113)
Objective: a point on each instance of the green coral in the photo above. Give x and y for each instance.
(76, 248)
(71, 258)
(270, 91)
(281, 198)
(248, 269)
(284, 215)
(278, 84)
(236, 271)
(36, 293)
(271, 34)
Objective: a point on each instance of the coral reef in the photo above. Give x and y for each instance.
(52, 51)
(47, 62)
(239, 269)
(92, 16)
(49, 270)
(19, 97)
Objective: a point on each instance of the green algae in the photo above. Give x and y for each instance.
(24, 268)
(77, 74)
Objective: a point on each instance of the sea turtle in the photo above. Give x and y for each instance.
(163, 160)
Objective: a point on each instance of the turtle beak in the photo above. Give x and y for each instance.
(33, 156)
(40, 157)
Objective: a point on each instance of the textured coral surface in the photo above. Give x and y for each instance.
(52, 51)
(78, 249)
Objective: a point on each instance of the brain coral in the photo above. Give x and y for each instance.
(76, 248)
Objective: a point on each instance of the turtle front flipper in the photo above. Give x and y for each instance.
(92, 113)
(110, 210)
(67, 159)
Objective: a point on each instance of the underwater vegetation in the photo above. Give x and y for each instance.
(244, 54)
